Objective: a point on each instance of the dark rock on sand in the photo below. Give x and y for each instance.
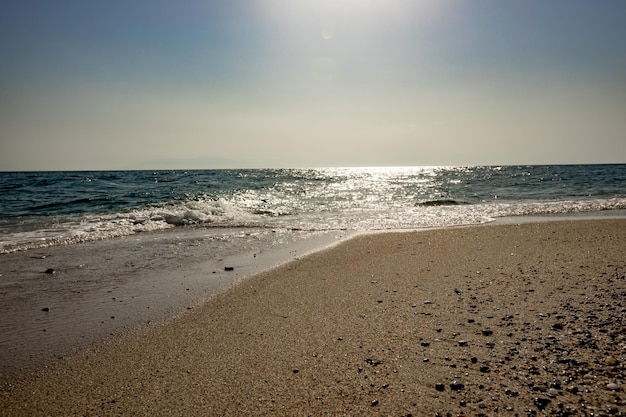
(457, 386)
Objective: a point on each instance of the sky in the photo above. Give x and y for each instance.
(156, 84)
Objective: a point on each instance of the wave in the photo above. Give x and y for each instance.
(246, 212)
(443, 202)
(71, 230)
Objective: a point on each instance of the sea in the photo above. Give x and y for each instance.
(42, 209)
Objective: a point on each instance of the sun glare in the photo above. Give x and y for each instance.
(403, 11)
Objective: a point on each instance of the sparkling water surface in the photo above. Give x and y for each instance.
(48, 208)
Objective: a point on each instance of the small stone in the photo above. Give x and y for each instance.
(295, 371)
(474, 359)
(440, 387)
(511, 393)
(557, 326)
(542, 403)
(611, 361)
(573, 389)
(552, 392)
(428, 302)
(46, 309)
(612, 386)
(50, 271)
(374, 403)
(457, 386)
(462, 342)
(487, 332)
(425, 344)
(229, 268)
(485, 369)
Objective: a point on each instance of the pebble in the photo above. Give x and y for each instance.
(440, 387)
(373, 362)
(542, 403)
(573, 389)
(50, 271)
(612, 386)
(462, 342)
(487, 332)
(457, 386)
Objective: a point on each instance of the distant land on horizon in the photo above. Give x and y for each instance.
(182, 164)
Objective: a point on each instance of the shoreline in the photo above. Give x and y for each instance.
(102, 289)
(508, 318)
(92, 303)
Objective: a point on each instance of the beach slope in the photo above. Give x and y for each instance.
(497, 319)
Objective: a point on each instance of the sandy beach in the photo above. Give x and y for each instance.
(488, 320)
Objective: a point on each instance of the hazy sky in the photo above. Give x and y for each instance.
(290, 83)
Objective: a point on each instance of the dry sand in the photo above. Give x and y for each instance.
(513, 320)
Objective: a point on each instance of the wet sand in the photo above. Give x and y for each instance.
(58, 299)
(500, 319)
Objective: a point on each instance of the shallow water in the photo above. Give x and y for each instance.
(103, 288)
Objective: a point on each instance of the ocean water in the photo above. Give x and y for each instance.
(39, 209)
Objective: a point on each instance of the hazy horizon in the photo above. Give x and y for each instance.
(293, 84)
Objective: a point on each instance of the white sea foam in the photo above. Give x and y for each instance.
(223, 213)
(89, 228)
